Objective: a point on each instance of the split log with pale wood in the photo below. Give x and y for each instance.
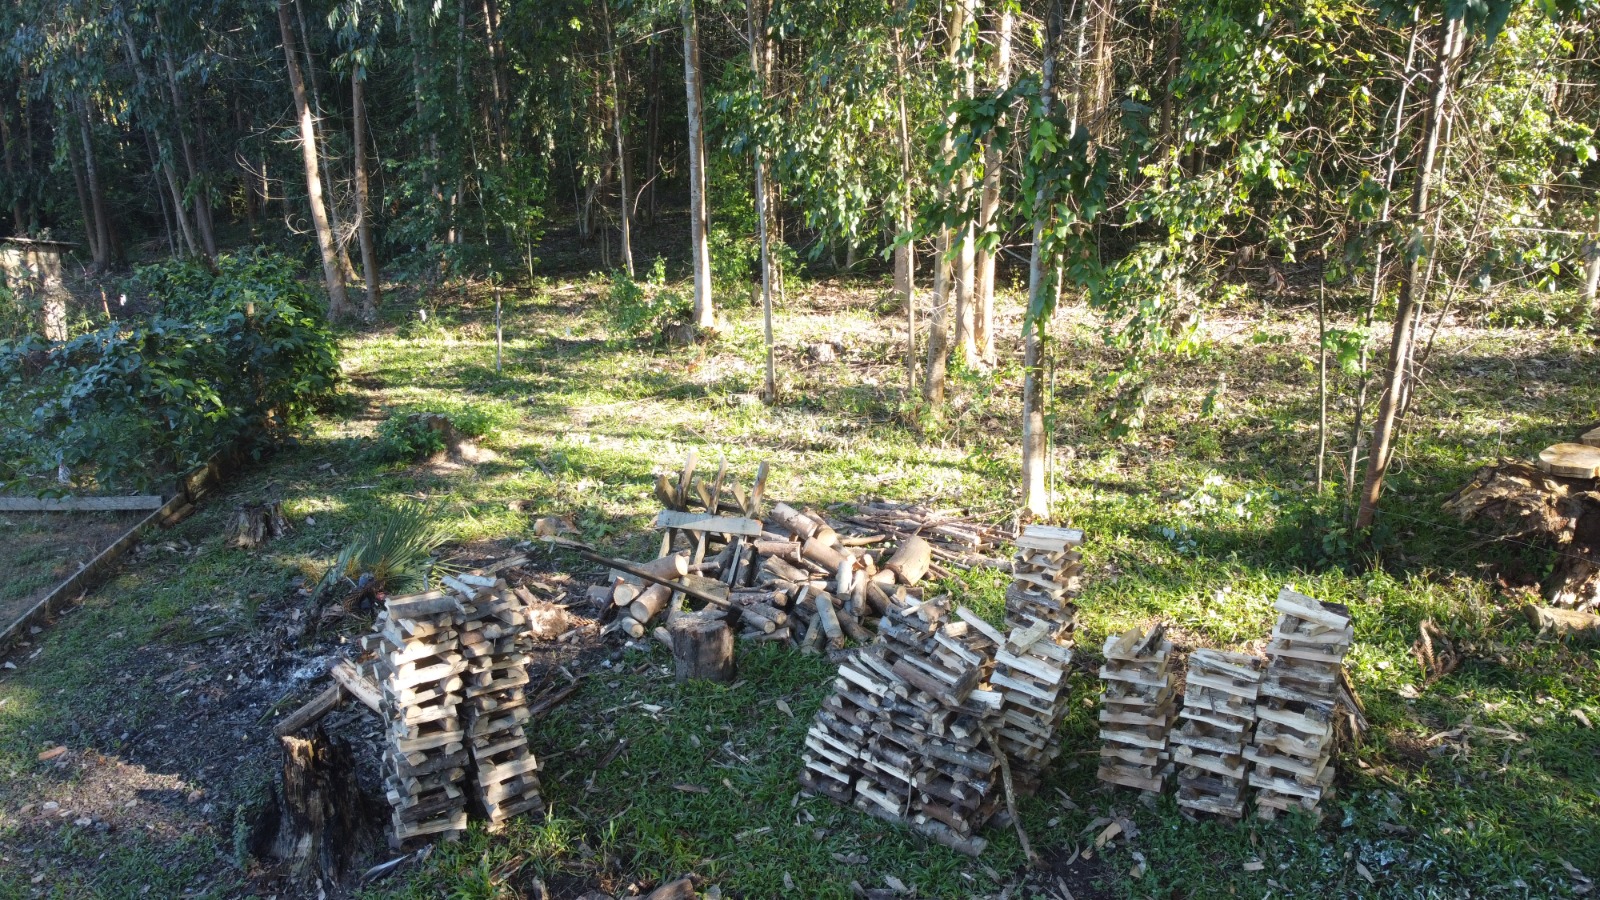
(1030, 673)
(1297, 707)
(1558, 512)
(1138, 709)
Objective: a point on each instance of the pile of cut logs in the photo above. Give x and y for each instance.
(1297, 707)
(452, 665)
(1219, 706)
(1137, 709)
(790, 575)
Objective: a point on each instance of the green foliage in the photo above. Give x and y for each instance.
(639, 310)
(391, 552)
(406, 436)
(238, 358)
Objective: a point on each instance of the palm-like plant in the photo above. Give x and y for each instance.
(393, 550)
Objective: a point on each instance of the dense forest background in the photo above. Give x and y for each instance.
(1149, 160)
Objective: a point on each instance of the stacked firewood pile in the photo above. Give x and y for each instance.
(1297, 706)
(452, 665)
(1030, 673)
(1137, 709)
(1219, 706)
(1045, 576)
(907, 735)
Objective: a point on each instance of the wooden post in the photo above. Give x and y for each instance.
(498, 338)
(702, 647)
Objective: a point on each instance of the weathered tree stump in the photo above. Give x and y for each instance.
(253, 524)
(325, 824)
(1561, 513)
(1559, 624)
(702, 646)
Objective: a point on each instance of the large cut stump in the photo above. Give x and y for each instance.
(1549, 510)
(325, 823)
(702, 646)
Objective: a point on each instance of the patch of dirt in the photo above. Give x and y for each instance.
(1063, 872)
(42, 549)
(204, 766)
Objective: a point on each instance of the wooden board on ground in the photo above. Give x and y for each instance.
(79, 504)
(1571, 460)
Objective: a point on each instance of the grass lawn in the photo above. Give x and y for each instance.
(1484, 783)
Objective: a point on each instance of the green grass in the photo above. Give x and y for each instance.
(1198, 520)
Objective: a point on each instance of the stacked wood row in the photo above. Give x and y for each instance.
(1298, 704)
(419, 666)
(908, 734)
(1045, 577)
(1138, 709)
(1030, 672)
(1219, 702)
(495, 641)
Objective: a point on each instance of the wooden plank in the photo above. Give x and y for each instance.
(80, 504)
(671, 518)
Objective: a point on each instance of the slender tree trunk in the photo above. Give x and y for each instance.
(699, 216)
(938, 326)
(905, 251)
(619, 115)
(91, 238)
(163, 145)
(97, 196)
(965, 262)
(1322, 379)
(1390, 163)
(18, 223)
(1592, 278)
(990, 202)
(338, 306)
(369, 253)
(1035, 493)
(1449, 47)
(755, 13)
(202, 205)
(653, 135)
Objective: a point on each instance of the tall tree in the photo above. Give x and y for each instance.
(338, 305)
(699, 217)
(619, 117)
(1447, 49)
(369, 251)
(755, 13)
(989, 207)
(1041, 294)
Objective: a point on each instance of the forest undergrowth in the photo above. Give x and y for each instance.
(1483, 782)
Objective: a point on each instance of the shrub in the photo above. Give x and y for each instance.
(236, 358)
(406, 436)
(645, 309)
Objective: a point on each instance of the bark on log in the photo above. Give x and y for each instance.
(910, 562)
(702, 647)
(651, 602)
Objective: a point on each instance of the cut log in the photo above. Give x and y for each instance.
(798, 523)
(702, 647)
(1562, 514)
(651, 602)
(1563, 623)
(1592, 438)
(911, 560)
(358, 685)
(312, 712)
(256, 523)
(1571, 460)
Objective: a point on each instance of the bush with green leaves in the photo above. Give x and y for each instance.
(644, 309)
(407, 436)
(236, 358)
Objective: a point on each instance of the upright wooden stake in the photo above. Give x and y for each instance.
(1322, 380)
(499, 339)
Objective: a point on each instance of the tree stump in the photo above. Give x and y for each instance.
(702, 646)
(325, 824)
(1557, 512)
(253, 524)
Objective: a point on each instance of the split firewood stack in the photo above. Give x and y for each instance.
(1298, 705)
(495, 641)
(1030, 673)
(1137, 709)
(1045, 577)
(452, 665)
(908, 734)
(419, 666)
(1219, 703)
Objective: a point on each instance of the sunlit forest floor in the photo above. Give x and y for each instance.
(1485, 783)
